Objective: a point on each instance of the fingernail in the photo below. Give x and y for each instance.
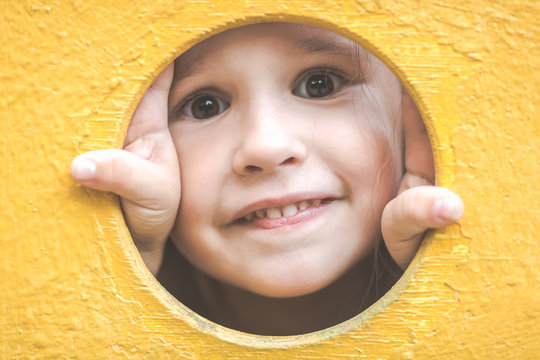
(449, 208)
(83, 169)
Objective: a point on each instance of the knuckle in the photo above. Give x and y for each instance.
(411, 207)
(119, 172)
(113, 171)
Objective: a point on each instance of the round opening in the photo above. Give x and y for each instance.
(286, 146)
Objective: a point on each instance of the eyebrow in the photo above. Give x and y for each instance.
(309, 46)
(193, 65)
(302, 47)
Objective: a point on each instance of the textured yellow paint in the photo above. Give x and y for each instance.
(73, 285)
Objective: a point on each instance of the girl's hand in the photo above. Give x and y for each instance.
(145, 173)
(419, 205)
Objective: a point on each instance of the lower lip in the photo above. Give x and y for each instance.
(306, 215)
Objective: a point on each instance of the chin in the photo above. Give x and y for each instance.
(289, 286)
(290, 276)
(285, 292)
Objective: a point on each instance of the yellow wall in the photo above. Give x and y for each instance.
(72, 283)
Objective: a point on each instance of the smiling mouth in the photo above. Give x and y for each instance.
(286, 215)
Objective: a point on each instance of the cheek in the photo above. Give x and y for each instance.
(356, 141)
(202, 173)
(360, 153)
(192, 231)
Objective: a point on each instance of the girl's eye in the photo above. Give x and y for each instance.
(318, 85)
(204, 107)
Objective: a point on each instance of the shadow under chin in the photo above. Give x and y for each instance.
(246, 311)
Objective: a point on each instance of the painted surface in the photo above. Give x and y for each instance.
(73, 285)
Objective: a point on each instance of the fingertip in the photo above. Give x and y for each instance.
(449, 208)
(83, 169)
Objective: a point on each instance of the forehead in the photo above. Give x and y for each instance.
(292, 39)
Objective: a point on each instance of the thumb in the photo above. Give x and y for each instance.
(122, 173)
(406, 217)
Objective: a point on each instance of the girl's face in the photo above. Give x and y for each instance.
(288, 138)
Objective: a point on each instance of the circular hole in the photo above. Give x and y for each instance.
(289, 142)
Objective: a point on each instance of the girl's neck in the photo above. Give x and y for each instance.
(243, 310)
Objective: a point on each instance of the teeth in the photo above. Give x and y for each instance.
(273, 213)
(285, 211)
(289, 210)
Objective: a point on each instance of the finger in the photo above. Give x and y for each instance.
(411, 213)
(418, 153)
(420, 208)
(124, 174)
(151, 113)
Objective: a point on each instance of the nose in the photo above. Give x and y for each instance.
(268, 142)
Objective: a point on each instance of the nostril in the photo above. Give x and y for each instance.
(288, 161)
(252, 169)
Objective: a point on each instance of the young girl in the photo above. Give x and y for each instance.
(297, 153)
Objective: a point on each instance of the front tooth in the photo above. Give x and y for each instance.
(260, 213)
(249, 216)
(316, 202)
(289, 210)
(302, 205)
(273, 213)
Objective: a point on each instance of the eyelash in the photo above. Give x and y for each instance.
(343, 81)
(329, 73)
(182, 105)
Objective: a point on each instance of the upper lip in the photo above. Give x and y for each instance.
(276, 202)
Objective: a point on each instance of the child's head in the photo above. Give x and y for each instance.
(289, 143)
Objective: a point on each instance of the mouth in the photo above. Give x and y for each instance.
(286, 215)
